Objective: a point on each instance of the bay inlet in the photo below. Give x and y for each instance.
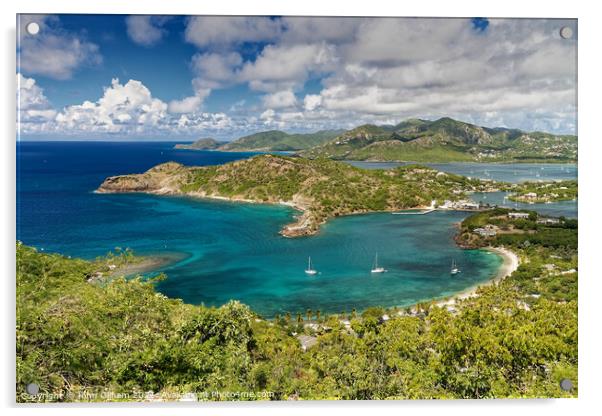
(228, 250)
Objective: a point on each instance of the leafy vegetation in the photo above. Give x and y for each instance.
(518, 232)
(84, 341)
(445, 140)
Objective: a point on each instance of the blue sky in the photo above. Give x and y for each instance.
(155, 77)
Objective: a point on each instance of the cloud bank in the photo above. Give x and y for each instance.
(499, 72)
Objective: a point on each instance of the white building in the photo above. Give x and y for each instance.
(548, 221)
(470, 205)
(485, 232)
(518, 215)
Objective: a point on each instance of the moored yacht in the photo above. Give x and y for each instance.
(309, 269)
(454, 268)
(375, 267)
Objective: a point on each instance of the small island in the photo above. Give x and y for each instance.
(320, 189)
(201, 144)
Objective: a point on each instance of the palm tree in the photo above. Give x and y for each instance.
(309, 314)
(318, 315)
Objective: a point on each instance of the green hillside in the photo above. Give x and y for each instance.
(276, 140)
(445, 140)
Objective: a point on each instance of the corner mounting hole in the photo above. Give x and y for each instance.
(566, 32)
(566, 384)
(32, 28)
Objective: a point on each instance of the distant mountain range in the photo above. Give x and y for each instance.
(443, 140)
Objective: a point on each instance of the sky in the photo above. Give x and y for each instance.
(117, 77)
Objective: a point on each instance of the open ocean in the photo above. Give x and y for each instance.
(222, 250)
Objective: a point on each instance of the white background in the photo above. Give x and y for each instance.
(590, 168)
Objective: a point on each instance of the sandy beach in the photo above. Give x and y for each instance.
(509, 265)
(145, 265)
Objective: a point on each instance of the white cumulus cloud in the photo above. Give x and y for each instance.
(280, 99)
(279, 66)
(146, 30)
(34, 111)
(223, 31)
(190, 104)
(268, 115)
(185, 105)
(122, 107)
(124, 110)
(312, 101)
(214, 70)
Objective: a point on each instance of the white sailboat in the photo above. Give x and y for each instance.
(309, 270)
(375, 267)
(454, 268)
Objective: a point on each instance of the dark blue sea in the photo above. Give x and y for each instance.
(222, 251)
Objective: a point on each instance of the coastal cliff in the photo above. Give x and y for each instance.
(320, 189)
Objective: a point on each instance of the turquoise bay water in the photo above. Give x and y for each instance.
(229, 250)
(556, 209)
(240, 255)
